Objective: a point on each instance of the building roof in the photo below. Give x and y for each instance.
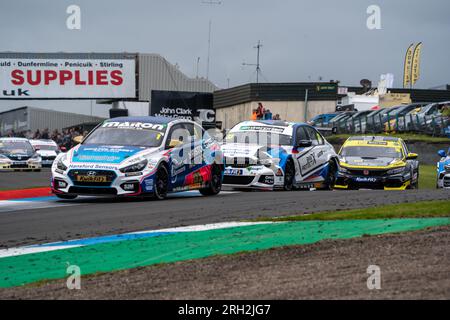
(295, 91)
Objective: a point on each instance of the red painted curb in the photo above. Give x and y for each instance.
(25, 193)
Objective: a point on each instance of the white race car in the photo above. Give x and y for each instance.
(443, 170)
(271, 155)
(47, 149)
(140, 156)
(18, 154)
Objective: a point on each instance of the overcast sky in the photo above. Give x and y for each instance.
(302, 40)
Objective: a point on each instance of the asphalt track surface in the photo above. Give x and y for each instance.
(59, 220)
(24, 179)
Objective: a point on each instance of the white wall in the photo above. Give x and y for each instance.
(288, 110)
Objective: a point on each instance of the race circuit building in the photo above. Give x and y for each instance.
(297, 102)
(25, 119)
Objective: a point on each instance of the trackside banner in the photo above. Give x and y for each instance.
(195, 106)
(67, 78)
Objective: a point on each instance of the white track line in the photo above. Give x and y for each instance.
(11, 252)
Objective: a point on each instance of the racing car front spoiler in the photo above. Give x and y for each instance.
(386, 183)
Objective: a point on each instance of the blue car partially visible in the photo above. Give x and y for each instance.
(322, 120)
(443, 170)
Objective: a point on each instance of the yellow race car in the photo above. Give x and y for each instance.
(371, 162)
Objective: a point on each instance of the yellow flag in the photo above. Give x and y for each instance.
(416, 63)
(408, 66)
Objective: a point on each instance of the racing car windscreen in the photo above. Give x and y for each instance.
(125, 137)
(371, 152)
(7, 147)
(255, 137)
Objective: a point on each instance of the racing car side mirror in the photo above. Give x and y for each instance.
(304, 143)
(441, 153)
(412, 156)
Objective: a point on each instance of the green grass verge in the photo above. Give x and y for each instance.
(425, 209)
(408, 137)
(427, 177)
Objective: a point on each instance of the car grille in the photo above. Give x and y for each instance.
(19, 166)
(110, 176)
(19, 158)
(236, 162)
(447, 182)
(93, 191)
(238, 180)
(372, 173)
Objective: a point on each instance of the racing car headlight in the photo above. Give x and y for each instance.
(35, 158)
(447, 168)
(4, 158)
(139, 166)
(265, 162)
(343, 170)
(60, 165)
(396, 171)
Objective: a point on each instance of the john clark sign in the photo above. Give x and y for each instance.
(66, 78)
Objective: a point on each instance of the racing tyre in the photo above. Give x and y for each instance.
(215, 185)
(66, 196)
(416, 183)
(289, 174)
(161, 183)
(330, 180)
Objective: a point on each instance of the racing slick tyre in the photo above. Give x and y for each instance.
(289, 174)
(161, 183)
(66, 196)
(415, 185)
(215, 185)
(330, 180)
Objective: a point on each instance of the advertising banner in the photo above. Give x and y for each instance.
(408, 67)
(416, 63)
(67, 78)
(194, 106)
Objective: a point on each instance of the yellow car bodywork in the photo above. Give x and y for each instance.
(397, 145)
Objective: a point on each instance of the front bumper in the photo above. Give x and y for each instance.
(20, 165)
(118, 184)
(444, 181)
(352, 182)
(253, 177)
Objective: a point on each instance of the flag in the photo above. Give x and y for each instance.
(416, 64)
(408, 66)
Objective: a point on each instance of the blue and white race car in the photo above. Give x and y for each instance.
(140, 156)
(272, 155)
(443, 170)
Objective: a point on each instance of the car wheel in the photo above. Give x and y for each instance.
(215, 185)
(66, 196)
(330, 180)
(416, 183)
(161, 183)
(289, 174)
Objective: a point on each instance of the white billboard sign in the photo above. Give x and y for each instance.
(67, 78)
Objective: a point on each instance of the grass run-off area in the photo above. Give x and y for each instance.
(424, 209)
(427, 176)
(408, 137)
